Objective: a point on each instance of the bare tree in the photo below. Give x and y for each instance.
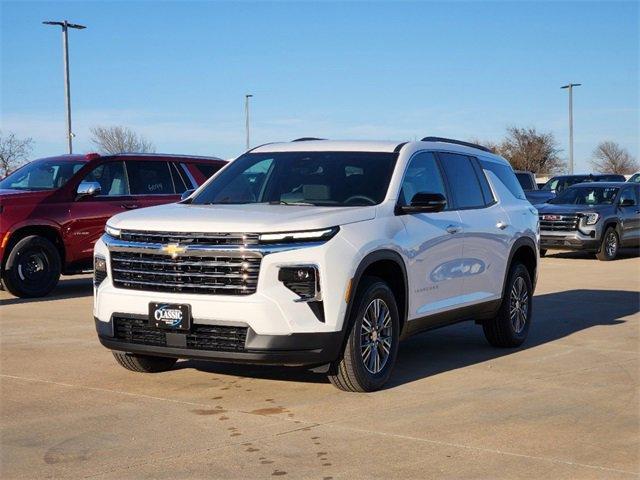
(14, 152)
(609, 157)
(119, 139)
(528, 149)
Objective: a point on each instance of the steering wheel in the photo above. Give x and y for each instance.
(353, 198)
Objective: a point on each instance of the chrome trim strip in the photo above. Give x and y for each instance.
(251, 251)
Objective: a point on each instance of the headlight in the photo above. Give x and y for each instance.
(305, 236)
(590, 218)
(112, 232)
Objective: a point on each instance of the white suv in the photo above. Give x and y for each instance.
(323, 254)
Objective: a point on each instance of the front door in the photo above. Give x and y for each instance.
(433, 242)
(88, 215)
(630, 215)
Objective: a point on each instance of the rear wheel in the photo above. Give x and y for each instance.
(32, 268)
(144, 363)
(610, 245)
(372, 346)
(509, 328)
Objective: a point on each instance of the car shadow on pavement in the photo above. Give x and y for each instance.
(73, 287)
(623, 254)
(556, 315)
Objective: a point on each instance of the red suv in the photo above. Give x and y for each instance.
(54, 209)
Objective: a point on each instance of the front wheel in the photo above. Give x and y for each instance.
(372, 346)
(509, 328)
(33, 267)
(144, 363)
(610, 245)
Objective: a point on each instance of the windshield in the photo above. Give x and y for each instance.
(41, 175)
(338, 179)
(561, 183)
(587, 196)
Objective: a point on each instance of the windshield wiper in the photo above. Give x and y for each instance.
(282, 202)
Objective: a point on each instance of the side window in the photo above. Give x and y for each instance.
(462, 180)
(178, 178)
(506, 176)
(422, 175)
(484, 183)
(112, 179)
(628, 193)
(149, 178)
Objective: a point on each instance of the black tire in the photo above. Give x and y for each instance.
(543, 252)
(144, 363)
(32, 268)
(357, 370)
(610, 245)
(503, 330)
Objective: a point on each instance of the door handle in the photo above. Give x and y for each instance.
(129, 206)
(502, 225)
(453, 229)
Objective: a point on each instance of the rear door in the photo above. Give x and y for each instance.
(487, 232)
(433, 244)
(88, 215)
(151, 183)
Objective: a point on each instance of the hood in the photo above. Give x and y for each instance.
(258, 218)
(559, 208)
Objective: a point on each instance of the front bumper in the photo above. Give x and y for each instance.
(573, 240)
(298, 349)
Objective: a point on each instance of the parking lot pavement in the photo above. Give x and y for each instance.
(563, 406)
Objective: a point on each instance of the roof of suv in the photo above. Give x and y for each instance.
(600, 184)
(362, 146)
(91, 156)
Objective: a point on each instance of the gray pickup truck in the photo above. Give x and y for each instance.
(599, 217)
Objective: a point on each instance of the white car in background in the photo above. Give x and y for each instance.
(322, 254)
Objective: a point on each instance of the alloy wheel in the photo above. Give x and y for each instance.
(376, 335)
(519, 305)
(611, 244)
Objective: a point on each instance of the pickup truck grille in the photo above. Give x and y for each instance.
(558, 223)
(201, 337)
(144, 236)
(226, 275)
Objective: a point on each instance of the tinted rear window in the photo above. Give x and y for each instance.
(463, 180)
(506, 175)
(149, 178)
(525, 180)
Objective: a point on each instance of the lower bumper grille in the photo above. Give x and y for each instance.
(201, 337)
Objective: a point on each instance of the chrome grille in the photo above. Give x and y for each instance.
(224, 275)
(558, 223)
(144, 236)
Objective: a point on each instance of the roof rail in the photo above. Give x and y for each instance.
(457, 142)
(307, 139)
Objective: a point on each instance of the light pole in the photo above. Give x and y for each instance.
(67, 87)
(570, 87)
(246, 115)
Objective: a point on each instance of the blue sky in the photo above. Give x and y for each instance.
(177, 71)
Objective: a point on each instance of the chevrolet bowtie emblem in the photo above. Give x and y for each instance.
(173, 249)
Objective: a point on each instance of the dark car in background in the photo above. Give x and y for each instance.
(54, 209)
(598, 217)
(557, 184)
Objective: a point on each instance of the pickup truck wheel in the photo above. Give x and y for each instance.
(32, 268)
(372, 346)
(543, 252)
(610, 245)
(509, 328)
(144, 363)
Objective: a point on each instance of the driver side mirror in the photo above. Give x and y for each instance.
(425, 202)
(627, 202)
(186, 194)
(88, 189)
